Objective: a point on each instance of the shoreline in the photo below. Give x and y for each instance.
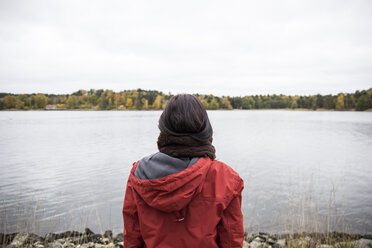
(145, 110)
(89, 239)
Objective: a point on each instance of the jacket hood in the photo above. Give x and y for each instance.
(159, 165)
(175, 191)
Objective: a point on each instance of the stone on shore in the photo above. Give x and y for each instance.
(363, 243)
(89, 239)
(19, 240)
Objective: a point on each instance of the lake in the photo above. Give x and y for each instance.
(303, 170)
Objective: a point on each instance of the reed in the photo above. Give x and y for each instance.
(303, 224)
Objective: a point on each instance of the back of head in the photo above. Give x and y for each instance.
(185, 130)
(186, 115)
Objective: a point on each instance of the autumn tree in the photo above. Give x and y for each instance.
(340, 102)
(157, 102)
(72, 102)
(117, 100)
(39, 101)
(129, 102)
(9, 102)
(213, 104)
(225, 103)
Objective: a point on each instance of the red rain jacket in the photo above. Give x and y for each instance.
(199, 206)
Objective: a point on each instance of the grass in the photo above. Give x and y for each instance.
(303, 224)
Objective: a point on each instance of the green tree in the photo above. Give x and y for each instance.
(24, 98)
(294, 104)
(39, 101)
(364, 103)
(72, 102)
(247, 103)
(20, 104)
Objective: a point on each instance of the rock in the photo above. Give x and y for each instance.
(62, 241)
(6, 239)
(75, 234)
(79, 239)
(33, 238)
(305, 241)
(120, 244)
(250, 238)
(271, 241)
(324, 246)
(256, 244)
(68, 244)
(105, 241)
(55, 244)
(245, 244)
(110, 245)
(344, 244)
(96, 238)
(108, 234)
(91, 245)
(86, 245)
(50, 237)
(88, 232)
(119, 238)
(38, 243)
(363, 243)
(259, 239)
(98, 246)
(281, 242)
(19, 240)
(263, 237)
(63, 235)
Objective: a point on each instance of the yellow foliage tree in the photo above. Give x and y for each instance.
(157, 103)
(225, 103)
(117, 100)
(145, 103)
(340, 102)
(164, 104)
(9, 102)
(129, 102)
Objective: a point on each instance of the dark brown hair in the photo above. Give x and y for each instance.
(185, 115)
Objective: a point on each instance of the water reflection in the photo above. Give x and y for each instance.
(67, 170)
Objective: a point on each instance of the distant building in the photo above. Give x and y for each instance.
(51, 107)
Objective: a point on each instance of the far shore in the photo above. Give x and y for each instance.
(278, 109)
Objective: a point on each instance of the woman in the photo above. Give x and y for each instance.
(181, 196)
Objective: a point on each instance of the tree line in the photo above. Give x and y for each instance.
(154, 100)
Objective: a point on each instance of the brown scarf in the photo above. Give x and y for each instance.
(185, 146)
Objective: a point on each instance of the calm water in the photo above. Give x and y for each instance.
(302, 170)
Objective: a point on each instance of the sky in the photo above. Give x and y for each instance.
(232, 48)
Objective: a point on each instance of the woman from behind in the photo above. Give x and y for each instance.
(182, 196)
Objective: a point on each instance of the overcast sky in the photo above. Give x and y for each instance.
(218, 47)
